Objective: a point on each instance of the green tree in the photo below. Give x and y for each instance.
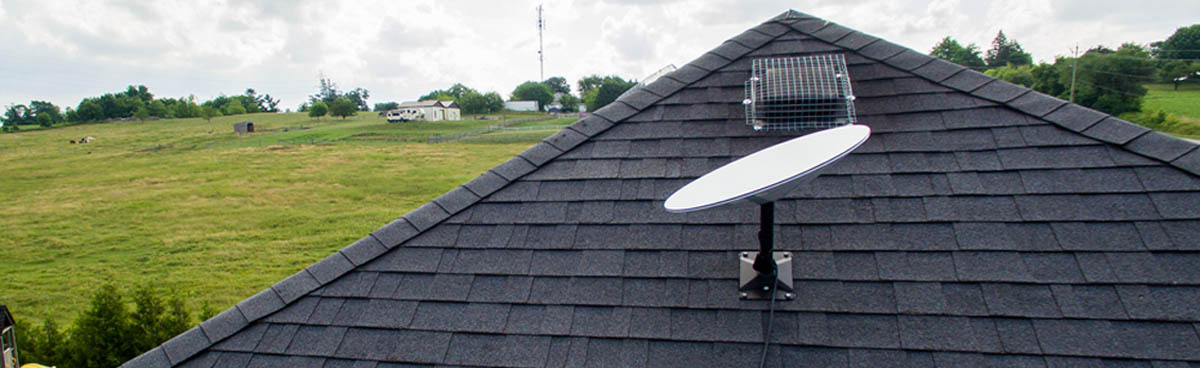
(359, 97)
(534, 91)
(18, 115)
(317, 109)
(90, 110)
(209, 112)
(327, 91)
(233, 107)
(40, 108)
(610, 89)
(342, 107)
(142, 113)
(569, 102)
(493, 101)
(157, 108)
(950, 50)
(99, 335)
(589, 83)
(1183, 44)
(1111, 81)
(557, 85)
(1005, 51)
(154, 319)
(473, 103)
(385, 106)
(1022, 74)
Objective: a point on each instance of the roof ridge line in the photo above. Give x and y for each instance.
(1174, 151)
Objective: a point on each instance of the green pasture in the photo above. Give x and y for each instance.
(192, 207)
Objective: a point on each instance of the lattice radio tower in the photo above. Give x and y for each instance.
(541, 24)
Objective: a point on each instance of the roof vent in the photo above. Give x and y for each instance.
(649, 79)
(799, 92)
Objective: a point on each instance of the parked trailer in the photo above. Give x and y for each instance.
(403, 115)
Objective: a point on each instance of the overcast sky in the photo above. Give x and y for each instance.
(62, 51)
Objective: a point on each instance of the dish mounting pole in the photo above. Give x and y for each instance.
(766, 274)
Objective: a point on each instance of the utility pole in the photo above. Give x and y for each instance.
(1074, 69)
(541, 24)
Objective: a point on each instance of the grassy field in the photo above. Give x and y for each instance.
(188, 205)
(1184, 103)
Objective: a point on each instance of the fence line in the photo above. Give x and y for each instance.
(489, 129)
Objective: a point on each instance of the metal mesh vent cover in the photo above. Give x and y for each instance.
(799, 92)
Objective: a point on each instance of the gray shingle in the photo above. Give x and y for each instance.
(863, 331)
(937, 333)
(395, 232)
(1115, 131)
(908, 60)
(1189, 162)
(363, 250)
(566, 139)
(600, 322)
(855, 40)
(1089, 301)
(498, 350)
(296, 286)
(878, 50)
(330, 268)
(999, 91)
(1017, 336)
(458, 199)
(184, 346)
(667, 86)
(1074, 117)
(1098, 236)
(1036, 103)
(500, 289)
(1020, 300)
(428, 215)
(261, 304)
(223, 324)
(967, 80)
(938, 70)
(246, 340)
(656, 292)
(475, 317)
(155, 358)
(1160, 146)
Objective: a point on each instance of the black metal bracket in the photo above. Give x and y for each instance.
(760, 270)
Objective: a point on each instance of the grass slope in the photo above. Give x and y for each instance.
(1184, 103)
(189, 206)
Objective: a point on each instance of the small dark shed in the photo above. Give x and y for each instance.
(244, 127)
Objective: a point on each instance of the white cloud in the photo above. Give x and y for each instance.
(65, 50)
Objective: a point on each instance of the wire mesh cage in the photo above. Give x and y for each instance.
(799, 93)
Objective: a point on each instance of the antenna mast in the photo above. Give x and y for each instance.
(541, 24)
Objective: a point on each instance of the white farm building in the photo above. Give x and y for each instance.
(428, 110)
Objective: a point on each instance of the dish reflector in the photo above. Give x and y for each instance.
(769, 174)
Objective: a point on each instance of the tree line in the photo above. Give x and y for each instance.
(330, 100)
(1100, 78)
(597, 91)
(135, 102)
(109, 332)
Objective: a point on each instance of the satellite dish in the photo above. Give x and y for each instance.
(769, 174)
(761, 178)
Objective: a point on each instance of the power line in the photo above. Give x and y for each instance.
(1111, 89)
(1120, 74)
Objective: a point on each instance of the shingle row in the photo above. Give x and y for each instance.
(690, 329)
(843, 263)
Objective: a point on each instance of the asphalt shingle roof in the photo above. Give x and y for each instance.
(983, 224)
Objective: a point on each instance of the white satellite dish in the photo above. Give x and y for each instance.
(761, 178)
(769, 174)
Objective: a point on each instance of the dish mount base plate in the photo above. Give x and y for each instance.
(756, 286)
